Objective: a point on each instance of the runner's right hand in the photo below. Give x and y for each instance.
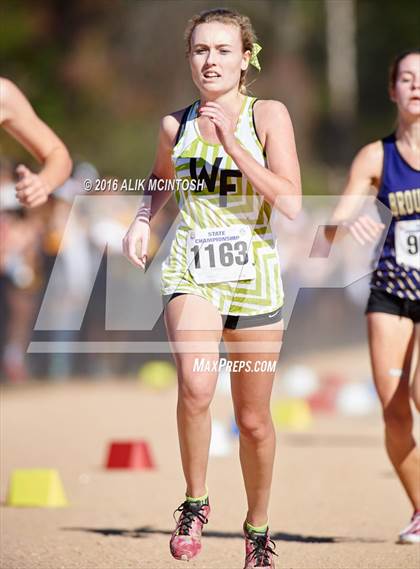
(364, 229)
(136, 243)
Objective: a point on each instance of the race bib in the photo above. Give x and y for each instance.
(216, 255)
(407, 243)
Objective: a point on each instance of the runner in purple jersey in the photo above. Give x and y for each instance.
(398, 270)
(392, 166)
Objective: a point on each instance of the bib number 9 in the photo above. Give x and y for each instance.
(413, 244)
(407, 243)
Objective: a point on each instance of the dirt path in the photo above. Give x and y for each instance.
(336, 503)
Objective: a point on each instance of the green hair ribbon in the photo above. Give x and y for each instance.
(256, 48)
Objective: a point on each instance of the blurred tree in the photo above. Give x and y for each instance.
(102, 73)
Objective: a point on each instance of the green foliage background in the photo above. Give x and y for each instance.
(102, 73)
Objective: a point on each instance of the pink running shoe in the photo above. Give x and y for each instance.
(186, 540)
(259, 550)
(411, 534)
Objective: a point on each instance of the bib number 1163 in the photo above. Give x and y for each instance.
(228, 254)
(220, 254)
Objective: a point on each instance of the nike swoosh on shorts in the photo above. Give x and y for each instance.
(272, 315)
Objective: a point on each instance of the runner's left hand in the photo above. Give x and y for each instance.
(31, 190)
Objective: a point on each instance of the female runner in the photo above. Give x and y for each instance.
(392, 165)
(221, 279)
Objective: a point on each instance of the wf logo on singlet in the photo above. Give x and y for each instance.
(226, 187)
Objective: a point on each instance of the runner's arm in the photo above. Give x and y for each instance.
(365, 172)
(19, 119)
(280, 183)
(153, 201)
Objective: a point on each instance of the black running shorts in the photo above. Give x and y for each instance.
(237, 322)
(382, 301)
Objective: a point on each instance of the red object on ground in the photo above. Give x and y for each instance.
(130, 454)
(324, 400)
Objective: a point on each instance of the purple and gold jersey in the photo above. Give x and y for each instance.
(398, 269)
